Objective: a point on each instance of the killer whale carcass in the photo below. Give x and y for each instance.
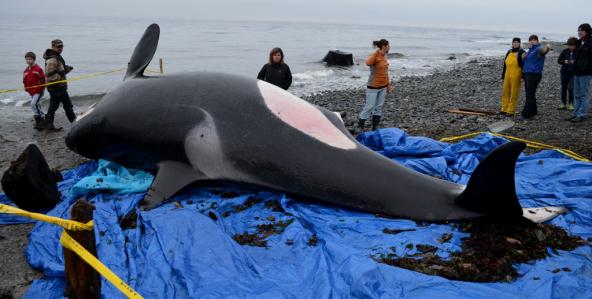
(205, 126)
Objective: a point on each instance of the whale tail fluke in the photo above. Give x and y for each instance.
(143, 53)
(491, 189)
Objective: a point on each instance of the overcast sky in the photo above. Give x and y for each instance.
(537, 16)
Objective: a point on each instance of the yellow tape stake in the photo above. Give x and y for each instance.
(67, 224)
(68, 242)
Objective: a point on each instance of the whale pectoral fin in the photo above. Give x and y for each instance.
(491, 189)
(143, 52)
(172, 176)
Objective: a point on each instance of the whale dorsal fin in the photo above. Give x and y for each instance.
(143, 52)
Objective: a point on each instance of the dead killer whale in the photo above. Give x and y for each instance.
(203, 126)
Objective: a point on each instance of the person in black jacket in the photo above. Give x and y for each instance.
(583, 74)
(512, 76)
(567, 59)
(276, 71)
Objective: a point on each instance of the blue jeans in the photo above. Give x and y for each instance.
(374, 101)
(582, 95)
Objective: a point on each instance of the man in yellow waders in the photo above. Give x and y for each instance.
(512, 76)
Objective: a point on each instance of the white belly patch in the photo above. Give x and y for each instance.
(303, 116)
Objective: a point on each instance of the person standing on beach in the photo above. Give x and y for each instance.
(583, 74)
(512, 76)
(534, 62)
(378, 85)
(56, 70)
(567, 59)
(34, 80)
(276, 71)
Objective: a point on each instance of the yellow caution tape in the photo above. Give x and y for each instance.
(65, 81)
(531, 144)
(73, 79)
(67, 224)
(71, 244)
(68, 242)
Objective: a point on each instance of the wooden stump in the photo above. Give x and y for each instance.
(82, 281)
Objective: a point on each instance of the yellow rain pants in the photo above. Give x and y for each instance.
(512, 83)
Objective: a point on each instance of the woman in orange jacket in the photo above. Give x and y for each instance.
(378, 85)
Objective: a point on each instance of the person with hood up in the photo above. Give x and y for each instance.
(567, 59)
(583, 74)
(55, 71)
(512, 76)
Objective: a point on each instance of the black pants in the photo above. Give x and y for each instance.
(56, 97)
(567, 87)
(531, 83)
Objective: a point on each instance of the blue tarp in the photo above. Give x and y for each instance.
(177, 251)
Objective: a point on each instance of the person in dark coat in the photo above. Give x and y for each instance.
(583, 74)
(276, 71)
(567, 59)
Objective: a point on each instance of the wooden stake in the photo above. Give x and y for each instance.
(467, 112)
(161, 66)
(82, 281)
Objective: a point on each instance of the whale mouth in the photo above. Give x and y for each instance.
(88, 111)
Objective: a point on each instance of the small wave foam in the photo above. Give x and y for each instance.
(21, 103)
(7, 101)
(311, 75)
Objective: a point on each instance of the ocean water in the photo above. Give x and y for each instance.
(104, 44)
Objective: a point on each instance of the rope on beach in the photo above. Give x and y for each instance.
(529, 143)
(81, 77)
(68, 242)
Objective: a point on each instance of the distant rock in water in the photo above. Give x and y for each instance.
(30, 183)
(395, 55)
(452, 57)
(339, 58)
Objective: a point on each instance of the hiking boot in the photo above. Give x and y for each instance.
(578, 119)
(39, 122)
(571, 107)
(562, 107)
(361, 123)
(49, 124)
(375, 122)
(570, 118)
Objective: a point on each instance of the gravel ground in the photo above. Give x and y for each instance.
(419, 105)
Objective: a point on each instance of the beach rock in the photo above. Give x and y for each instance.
(30, 183)
(339, 58)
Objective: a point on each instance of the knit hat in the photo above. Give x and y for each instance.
(30, 54)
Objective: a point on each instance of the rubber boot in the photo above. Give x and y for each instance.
(375, 122)
(360, 127)
(49, 123)
(39, 122)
